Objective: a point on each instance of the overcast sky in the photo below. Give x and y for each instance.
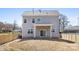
(8, 15)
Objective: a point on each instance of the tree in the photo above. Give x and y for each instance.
(1, 26)
(63, 21)
(14, 25)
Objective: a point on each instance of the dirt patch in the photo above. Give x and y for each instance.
(7, 37)
(39, 45)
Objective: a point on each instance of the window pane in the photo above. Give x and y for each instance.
(33, 20)
(38, 19)
(28, 31)
(31, 31)
(25, 20)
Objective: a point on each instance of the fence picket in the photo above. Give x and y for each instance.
(71, 36)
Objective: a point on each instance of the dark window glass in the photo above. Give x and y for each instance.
(25, 21)
(33, 20)
(38, 19)
(30, 31)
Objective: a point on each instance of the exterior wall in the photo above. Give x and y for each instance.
(26, 26)
(43, 20)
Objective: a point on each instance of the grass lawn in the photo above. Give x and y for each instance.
(39, 45)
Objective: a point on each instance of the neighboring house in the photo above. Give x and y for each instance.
(72, 29)
(40, 24)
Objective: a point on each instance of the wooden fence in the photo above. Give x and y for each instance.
(71, 36)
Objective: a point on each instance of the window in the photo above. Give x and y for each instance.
(30, 31)
(33, 20)
(53, 30)
(38, 19)
(25, 21)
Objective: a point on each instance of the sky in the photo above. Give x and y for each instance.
(8, 15)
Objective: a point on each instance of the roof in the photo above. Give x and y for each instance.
(41, 13)
(72, 28)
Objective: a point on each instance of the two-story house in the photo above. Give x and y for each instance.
(40, 24)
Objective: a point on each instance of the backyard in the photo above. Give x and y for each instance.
(8, 36)
(39, 45)
(10, 42)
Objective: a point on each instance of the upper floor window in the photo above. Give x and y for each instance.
(33, 20)
(25, 20)
(38, 19)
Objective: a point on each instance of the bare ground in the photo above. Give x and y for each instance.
(39, 45)
(7, 37)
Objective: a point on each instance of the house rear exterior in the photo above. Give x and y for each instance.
(40, 24)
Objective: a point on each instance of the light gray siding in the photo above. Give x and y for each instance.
(54, 20)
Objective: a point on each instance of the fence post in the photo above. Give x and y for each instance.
(66, 36)
(75, 36)
(71, 37)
